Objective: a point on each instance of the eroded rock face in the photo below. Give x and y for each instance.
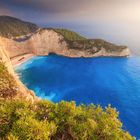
(4, 57)
(47, 41)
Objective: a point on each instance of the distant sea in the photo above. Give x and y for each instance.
(104, 81)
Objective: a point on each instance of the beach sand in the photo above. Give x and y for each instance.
(21, 59)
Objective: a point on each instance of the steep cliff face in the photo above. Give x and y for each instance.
(27, 38)
(4, 57)
(41, 43)
(47, 41)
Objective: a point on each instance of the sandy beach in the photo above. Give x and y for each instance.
(21, 59)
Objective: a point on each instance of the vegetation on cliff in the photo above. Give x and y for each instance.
(95, 45)
(8, 86)
(77, 42)
(13, 27)
(69, 35)
(44, 120)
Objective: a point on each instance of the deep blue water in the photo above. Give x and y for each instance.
(104, 81)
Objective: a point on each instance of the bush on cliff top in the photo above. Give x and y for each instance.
(8, 86)
(45, 120)
(69, 35)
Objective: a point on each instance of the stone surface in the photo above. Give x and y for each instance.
(47, 41)
(4, 57)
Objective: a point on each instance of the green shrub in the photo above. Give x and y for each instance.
(8, 86)
(11, 137)
(45, 120)
(13, 27)
(17, 120)
(32, 129)
(69, 35)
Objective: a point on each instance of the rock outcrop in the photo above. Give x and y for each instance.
(47, 41)
(4, 57)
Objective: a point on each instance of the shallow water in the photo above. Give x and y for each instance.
(104, 81)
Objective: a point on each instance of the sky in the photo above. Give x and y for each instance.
(117, 21)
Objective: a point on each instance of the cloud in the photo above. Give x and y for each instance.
(59, 6)
(116, 20)
(76, 9)
(4, 10)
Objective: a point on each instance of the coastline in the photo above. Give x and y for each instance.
(16, 61)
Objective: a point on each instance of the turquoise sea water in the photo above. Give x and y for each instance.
(104, 81)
